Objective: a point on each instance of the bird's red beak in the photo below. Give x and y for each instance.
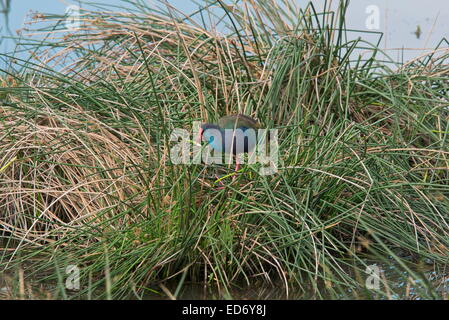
(200, 135)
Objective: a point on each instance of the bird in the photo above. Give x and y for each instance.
(234, 134)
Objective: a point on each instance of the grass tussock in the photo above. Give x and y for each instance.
(86, 177)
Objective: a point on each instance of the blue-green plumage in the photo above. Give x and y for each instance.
(234, 134)
(236, 141)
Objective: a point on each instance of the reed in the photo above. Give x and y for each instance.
(86, 177)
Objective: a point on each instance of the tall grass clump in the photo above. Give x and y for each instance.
(86, 177)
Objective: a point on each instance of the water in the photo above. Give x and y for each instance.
(413, 25)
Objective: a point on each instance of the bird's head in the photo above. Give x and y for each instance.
(207, 132)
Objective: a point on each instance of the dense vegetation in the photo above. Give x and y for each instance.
(86, 177)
